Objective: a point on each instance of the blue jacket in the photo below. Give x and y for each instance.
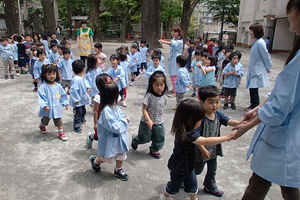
(183, 80)
(78, 92)
(175, 50)
(198, 76)
(151, 69)
(208, 79)
(37, 68)
(90, 80)
(161, 63)
(7, 51)
(134, 61)
(126, 68)
(259, 63)
(54, 57)
(112, 132)
(118, 73)
(65, 67)
(276, 143)
(54, 97)
(232, 81)
(143, 54)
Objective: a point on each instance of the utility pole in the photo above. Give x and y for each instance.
(222, 21)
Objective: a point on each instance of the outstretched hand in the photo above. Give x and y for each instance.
(249, 116)
(240, 130)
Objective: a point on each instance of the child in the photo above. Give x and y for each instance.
(208, 72)
(54, 55)
(156, 66)
(211, 46)
(68, 46)
(112, 132)
(28, 44)
(78, 95)
(91, 74)
(65, 69)
(33, 59)
(190, 52)
(101, 80)
(196, 73)
(233, 72)
(144, 54)
(46, 44)
(151, 126)
(182, 81)
(37, 68)
(15, 48)
(100, 54)
(7, 54)
(159, 53)
(181, 164)
(22, 57)
(135, 61)
(51, 96)
(53, 37)
(118, 75)
(210, 127)
(126, 67)
(221, 58)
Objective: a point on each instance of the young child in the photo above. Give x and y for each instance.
(144, 55)
(190, 52)
(151, 126)
(22, 57)
(53, 37)
(65, 69)
(112, 131)
(78, 95)
(33, 59)
(7, 55)
(135, 61)
(37, 68)
(91, 74)
(159, 53)
(126, 67)
(51, 97)
(156, 66)
(210, 127)
(181, 164)
(28, 44)
(196, 73)
(46, 44)
(118, 75)
(68, 46)
(221, 58)
(211, 46)
(54, 55)
(183, 80)
(100, 54)
(15, 49)
(101, 80)
(233, 72)
(208, 72)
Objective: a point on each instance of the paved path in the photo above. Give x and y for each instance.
(36, 166)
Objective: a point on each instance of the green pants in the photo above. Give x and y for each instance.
(145, 135)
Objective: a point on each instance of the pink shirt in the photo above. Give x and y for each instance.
(102, 57)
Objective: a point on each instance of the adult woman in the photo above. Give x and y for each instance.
(259, 64)
(225, 38)
(176, 46)
(276, 143)
(84, 41)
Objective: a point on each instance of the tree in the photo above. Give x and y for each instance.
(48, 10)
(150, 22)
(69, 16)
(187, 11)
(11, 16)
(95, 19)
(170, 13)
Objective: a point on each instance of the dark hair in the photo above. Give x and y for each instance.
(98, 45)
(239, 54)
(39, 44)
(212, 60)
(19, 38)
(293, 4)
(114, 57)
(156, 75)
(199, 38)
(78, 66)
(205, 54)
(257, 29)
(83, 22)
(157, 51)
(4, 39)
(62, 47)
(122, 56)
(143, 42)
(53, 44)
(27, 34)
(192, 42)
(109, 94)
(199, 47)
(230, 57)
(101, 80)
(229, 46)
(47, 69)
(122, 48)
(134, 46)
(178, 30)
(65, 51)
(156, 56)
(197, 53)
(40, 52)
(209, 91)
(188, 113)
(44, 37)
(91, 62)
(228, 50)
(181, 60)
(53, 41)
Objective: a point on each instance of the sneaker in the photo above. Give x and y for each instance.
(133, 146)
(95, 166)
(35, 89)
(215, 191)
(233, 106)
(78, 130)
(193, 95)
(131, 83)
(12, 76)
(43, 129)
(62, 136)
(155, 155)
(124, 104)
(5, 77)
(225, 106)
(121, 174)
(162, 197)
(89, 141)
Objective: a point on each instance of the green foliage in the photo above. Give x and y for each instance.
(34, 22)
(105, 21)
(170, 9)
(230, 9)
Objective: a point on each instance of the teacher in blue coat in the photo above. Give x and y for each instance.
(259, 65)
(275, 146)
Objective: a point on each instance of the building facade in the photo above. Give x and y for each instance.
(272, 15)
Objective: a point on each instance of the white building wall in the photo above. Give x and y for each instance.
(283, 37)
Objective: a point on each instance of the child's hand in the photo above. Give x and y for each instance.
(76, 103)
(161, 41)
(205, 154)
(127, 118)
(131, 66)
(89, 90)
(230, 136)
(189, 86)
(150, 124)
(67, 107)
(116, 80)
(95, 127)
(46, 108)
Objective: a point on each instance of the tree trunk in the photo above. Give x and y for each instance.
(95, 19)
(150, 22)
(125, 22)
(11, 17)
(69, 14)
(49, 17)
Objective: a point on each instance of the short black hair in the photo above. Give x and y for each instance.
(192, 42)
(4, 39)
(143, 42)
(83, 22)
(157, 51)
(62, 47)
(98, 45)
(78, 66)
(39, 44)
(156, 56)
(212, 60)
(46, 68)
(114, 57)
(134, 46)
(197, 53)
(122, 56)
(65, 51)
(181, 60)
(19, 38)
(205, 54)
(40, 52)
(230, 57)
(209, 91)
(239, 54)
(53, 44)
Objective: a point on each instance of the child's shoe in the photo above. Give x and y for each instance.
(123, 103)
(131, 83)
(62, 136)
(215, 191)
(35, 89)
(193, 95)
(233, 106)
(89, 141)
(78, 130)
(225, 106)
(162, 197)
(95, 166)
(5, 77)
(43, 129)
(12, 76)
(121, 174)
(133, 146)
(155, 154)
